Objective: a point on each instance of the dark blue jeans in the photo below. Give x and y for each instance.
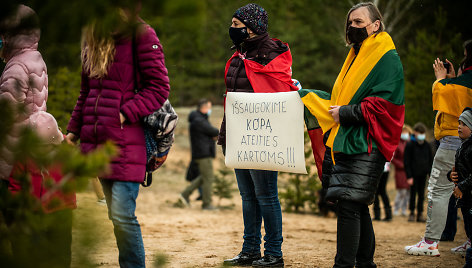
(259, 194)
(121, 201)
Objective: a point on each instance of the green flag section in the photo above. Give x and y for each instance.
(374, 79)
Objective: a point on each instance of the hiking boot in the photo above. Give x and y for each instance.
(423, 249)
(269, 261)
(388, 214)
(184, 200)
(209, 207)
(420, 218)
(242, 259)
(462, 248)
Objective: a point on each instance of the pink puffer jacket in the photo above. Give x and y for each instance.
(24, 81)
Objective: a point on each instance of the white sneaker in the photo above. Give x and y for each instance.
(462, 248)
(423, 248)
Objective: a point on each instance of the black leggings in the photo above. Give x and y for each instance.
(355, 236)
(382, 191)
(417, 188)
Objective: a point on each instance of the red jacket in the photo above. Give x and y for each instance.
(42, 181)
(397, 161)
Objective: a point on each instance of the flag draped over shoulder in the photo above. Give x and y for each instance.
(276, 76)
(452, 95)
(373, 78)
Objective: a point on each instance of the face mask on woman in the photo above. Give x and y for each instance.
(357, 35)
(405, 136)
(421, 137)
(238, 35)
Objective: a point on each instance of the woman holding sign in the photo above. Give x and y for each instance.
(362, 119)
(248, 71)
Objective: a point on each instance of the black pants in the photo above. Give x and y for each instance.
(355, 236)
(382, 192)
(466, 214)
(417, 189)
(451, 223)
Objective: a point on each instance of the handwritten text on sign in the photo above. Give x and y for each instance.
(265, 131)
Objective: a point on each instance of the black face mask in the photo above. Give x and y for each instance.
(238, 35)
(357, 35)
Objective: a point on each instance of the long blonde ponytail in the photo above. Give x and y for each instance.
(98, 52)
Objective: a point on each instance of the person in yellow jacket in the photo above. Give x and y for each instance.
(451, 94)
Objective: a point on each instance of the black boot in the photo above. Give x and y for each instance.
(376, 214)
(388, 214)
(269, 261)
(242, 259)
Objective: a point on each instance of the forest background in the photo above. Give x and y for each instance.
(194, 34)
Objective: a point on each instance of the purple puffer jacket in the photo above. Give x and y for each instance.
(24, 81)
(96, 116)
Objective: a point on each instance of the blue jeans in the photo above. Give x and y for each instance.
(259, 194)
(121, 201)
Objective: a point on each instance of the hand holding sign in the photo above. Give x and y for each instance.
(265, 131)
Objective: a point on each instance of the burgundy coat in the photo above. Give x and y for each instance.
(397, 161)
(96, 116)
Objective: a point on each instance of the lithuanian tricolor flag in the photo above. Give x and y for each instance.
(374, 79)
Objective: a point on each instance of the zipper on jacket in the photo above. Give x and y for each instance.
(96, 105)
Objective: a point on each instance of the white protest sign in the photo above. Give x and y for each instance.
(265, 131)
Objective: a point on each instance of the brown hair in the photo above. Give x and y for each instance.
(374, 14)
(467, 61)
(420, 127)
(98, 52)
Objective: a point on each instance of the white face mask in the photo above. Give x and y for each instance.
(421, 137)
(405, 136)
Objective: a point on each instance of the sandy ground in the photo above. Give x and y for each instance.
(191, 237)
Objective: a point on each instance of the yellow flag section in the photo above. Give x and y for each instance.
(353, 73)
(451, 96)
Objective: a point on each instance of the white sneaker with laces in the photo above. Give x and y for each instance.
(423, 249)
(462, 248)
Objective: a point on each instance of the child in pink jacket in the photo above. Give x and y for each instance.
(24, 81)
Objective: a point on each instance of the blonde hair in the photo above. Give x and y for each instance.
(407, 128)
(98, 52)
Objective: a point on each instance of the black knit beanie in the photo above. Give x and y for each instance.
(254, 17)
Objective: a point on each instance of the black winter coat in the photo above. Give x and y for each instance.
(418, 159)
(202, 135)
(353, 177)
(463, 167)
(261, 49)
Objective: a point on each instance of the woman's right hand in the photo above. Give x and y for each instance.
(71, 139)
(439, 71)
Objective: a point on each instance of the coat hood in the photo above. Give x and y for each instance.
(20, 31)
